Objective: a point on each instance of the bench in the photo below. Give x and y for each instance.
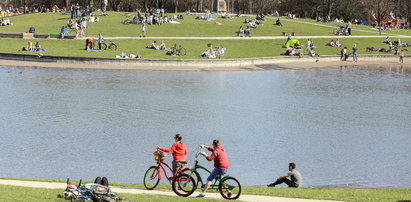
(69, 37)
(41, 36)
(16, 35)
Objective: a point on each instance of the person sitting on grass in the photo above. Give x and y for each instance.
(297, 46)
(162, 46)
(310, 43)
(294, 175)
(240, 31)
(71, 24)
(37, 47)
(247, 32)
(331, 43)
(209, 53)
(337, 43)
(29, 46)
(63, 32)
(278, 23)
(153, 46)
(387, 40)
(32, 29)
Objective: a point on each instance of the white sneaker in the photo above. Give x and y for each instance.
(201, 195)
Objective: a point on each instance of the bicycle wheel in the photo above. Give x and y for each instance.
(183, 185)
(151, 179)
(95, 44)
(83, 34)
(182, 52)
(73, 32)
(97, 180)
(103, 46)
(113, 46)
(230, 188)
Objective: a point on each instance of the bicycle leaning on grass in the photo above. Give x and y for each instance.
(154, 174)
(111, 45)
(180, 51)
(186, 183)
(78, 32)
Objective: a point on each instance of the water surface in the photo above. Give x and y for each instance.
(341, 126)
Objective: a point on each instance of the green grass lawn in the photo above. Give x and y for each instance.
(235, 48)
(7, 193)
(24, 194)
(111, 26)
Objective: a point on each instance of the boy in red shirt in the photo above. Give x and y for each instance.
(220, 163)
(179, 150)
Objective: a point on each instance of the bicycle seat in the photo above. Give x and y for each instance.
(182, 162)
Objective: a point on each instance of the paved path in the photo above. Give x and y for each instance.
(333, 27)
(62, 186)
(251, 38)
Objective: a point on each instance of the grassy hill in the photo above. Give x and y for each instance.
(111, 26)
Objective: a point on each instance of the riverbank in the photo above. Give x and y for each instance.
(260, 194)
(250, 64)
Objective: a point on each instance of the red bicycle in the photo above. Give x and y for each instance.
(153, 175)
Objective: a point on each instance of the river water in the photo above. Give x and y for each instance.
(342, 126)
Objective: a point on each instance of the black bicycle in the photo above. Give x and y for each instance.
(180, 51)
(111, 45)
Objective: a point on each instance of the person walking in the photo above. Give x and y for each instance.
(402, 56)
(100, 40)
(355, 53)
(179, 151)
(143, 31)
(294, 175)
(220, 163)
(348, 27)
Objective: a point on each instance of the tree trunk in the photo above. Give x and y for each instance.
(212, 5)
(68, 4)
(176, 4)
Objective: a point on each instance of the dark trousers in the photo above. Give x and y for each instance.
(287, 181)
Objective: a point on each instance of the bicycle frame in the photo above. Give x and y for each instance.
(160, 164)
(216, 181)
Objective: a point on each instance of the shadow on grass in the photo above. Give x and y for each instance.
(404, 201)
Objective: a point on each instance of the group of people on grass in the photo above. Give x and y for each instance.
(5, 22)
(154, 46)
(244, 32)
(333, 43)
(221, 163)
(30, 47)
(211, 52)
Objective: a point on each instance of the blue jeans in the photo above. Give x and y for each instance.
(215, 172)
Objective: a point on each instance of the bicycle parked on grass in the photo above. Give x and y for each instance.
(78, 32)
(185, 184)
(111, 45)
(154, 174)
(219, 51)
(180, 51)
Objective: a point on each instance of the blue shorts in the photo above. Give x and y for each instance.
(215, 172)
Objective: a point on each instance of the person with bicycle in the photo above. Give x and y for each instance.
(179, 151)
(100, 40)
(294, 175)
(220, 163)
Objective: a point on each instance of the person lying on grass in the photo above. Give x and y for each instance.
(153, 46)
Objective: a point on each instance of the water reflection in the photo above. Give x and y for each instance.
(341, 125)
